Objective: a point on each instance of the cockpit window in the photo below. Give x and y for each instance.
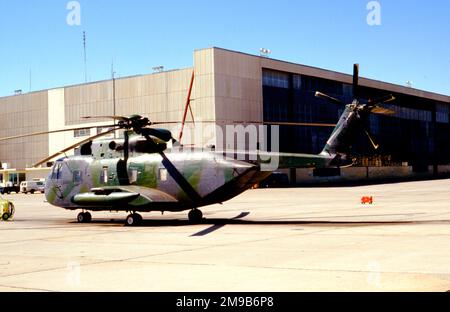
(57, 171)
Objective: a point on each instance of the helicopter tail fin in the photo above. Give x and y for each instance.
(339, 143)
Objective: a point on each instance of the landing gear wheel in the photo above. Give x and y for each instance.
(11, 210)
(133, 219)
(195, 216)
(5, 216)
(139, 218)
(88, 217)
(80, 217)
(84, 217)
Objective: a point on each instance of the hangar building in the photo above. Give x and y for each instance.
(230, 87)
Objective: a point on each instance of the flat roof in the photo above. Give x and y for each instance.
(276, 64)
(94, 82)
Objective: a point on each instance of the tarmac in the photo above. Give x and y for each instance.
(301, 239)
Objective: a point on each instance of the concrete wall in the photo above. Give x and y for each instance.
(20, 115)
(158, 96)
(238, 91)
(238, 85)
(161, 97)
(57, 141)
(203, 101)
(37, 174)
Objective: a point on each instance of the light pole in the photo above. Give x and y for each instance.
(114, 93)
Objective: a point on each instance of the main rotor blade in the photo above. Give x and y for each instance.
(374, 145)
(356, 81)
(328, 98)
(125, 119)
(74, 146)
(278, 123)
(382, 111)
(167, 123)
(221, 122)
(161, 134)
(120, 118)
(52, 132)
(382, 100)
(367, 132)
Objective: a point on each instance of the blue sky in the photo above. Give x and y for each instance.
(412, 43)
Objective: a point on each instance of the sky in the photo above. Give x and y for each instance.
(39, 49)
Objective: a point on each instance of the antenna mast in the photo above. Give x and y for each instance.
(85, 59)
(114, 91)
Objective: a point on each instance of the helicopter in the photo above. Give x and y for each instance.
(138, 173)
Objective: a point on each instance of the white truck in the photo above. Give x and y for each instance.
(32, 187)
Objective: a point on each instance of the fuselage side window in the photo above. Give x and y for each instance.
(77, 176)
(134, 176)
(163, 174)
(104, 175)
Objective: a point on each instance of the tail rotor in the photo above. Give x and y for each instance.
(361, 109)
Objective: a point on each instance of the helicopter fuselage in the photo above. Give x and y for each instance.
(146, 182)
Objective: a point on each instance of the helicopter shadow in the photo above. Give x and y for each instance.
(215, 224)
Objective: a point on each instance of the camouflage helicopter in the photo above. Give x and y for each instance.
(139, 174)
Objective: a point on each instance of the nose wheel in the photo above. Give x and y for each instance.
(84, 217)
(133, 219)
(195, 216)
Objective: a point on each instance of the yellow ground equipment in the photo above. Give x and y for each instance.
(7, 209)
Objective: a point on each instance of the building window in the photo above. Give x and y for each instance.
(410, 113)
(347, 92)
(82, 133)
(374, 124)
(442, 113)
(272, 78)
(297, 81)
(442, 117)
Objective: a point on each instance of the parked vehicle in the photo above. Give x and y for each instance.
(6, 209)
(41, 187)
(32, 187)
(9, 188)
